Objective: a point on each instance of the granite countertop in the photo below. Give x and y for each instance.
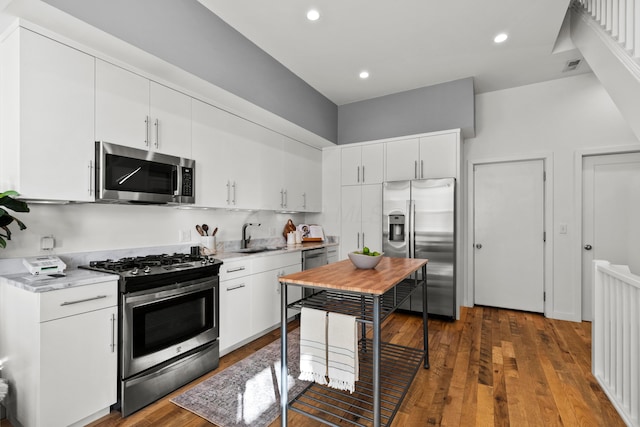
(80, 277)
(45, 283)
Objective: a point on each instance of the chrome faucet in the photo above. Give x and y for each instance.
(244, 242)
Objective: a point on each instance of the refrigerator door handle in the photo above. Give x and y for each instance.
(409, 230)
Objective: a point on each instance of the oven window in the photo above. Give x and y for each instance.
(166, 323)
(142, 176)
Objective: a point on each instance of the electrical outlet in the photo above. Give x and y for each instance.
(184, 236)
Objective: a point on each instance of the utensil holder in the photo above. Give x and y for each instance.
(208, 245)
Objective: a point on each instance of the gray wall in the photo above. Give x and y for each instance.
(444, 106)
(188, 35)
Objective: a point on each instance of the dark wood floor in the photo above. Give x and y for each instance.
(491, 368)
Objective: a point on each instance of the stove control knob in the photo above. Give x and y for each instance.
(134, 272)
(147, 269)
(203, 262)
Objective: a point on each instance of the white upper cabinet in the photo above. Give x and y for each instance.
(170, 112)
(302, 185)
(439, 155)
(362, 164)
(430, 156)
(131, 110)
(231, 162)
(47, 115)
(402, 159)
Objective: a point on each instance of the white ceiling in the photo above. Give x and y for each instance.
(406, 44)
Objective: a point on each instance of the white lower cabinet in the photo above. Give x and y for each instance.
(235, 313)
(60, 353)
(250, 297)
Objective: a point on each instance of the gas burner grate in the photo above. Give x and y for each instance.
(124, 264)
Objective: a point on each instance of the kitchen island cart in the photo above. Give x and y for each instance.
(386, 370)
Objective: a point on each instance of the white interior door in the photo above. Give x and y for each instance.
(610, 212)
(509, 235)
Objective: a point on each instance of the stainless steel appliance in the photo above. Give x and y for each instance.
(125, 174)
(168, 324)
(418, 221)
(312, 258)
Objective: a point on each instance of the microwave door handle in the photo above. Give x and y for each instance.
(177, 180)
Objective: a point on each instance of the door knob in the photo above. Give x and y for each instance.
(588, 247)
(478, 245)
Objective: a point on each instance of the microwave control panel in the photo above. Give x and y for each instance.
(187, 182)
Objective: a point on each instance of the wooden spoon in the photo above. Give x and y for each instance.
(199, 230)
(205, 227)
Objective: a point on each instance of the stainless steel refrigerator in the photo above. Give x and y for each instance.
(418, 221)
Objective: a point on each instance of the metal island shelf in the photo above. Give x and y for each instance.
(386, 370)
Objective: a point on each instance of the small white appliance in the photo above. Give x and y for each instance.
(46, 264)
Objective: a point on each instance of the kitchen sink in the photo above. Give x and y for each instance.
(257, 249)
(251, 250)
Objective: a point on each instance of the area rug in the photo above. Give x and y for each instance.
(248, 392)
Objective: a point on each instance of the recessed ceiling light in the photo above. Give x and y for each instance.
(313, 15)
(500, 37)
(364, 74)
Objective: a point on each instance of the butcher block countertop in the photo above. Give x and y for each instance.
(344, 276)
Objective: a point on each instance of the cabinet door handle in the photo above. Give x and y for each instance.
(233, 186)
(233, 288)
(233, 270)
(304, 200)
(282, 198)
(146, 131)
(113, 333)
(358, 174)
(228, 191)
(157, 126)
(363, 174)
(363, 245)
(415, 168)
(91, 185)
(82, 300)
(358, 245)
(421, 168)
(286, 199)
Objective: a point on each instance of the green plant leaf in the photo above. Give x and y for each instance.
(9, 193)
(13, 204)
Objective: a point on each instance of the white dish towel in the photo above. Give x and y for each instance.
(313, 345)
(342, 351)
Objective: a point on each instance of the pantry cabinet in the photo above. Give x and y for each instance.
(60, 353)
(361, 218)
(47, 115)
(362, 164)
(430, 156)
(134, 111)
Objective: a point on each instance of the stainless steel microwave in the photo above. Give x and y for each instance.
(131, 175)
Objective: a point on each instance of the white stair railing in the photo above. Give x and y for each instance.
(615, 343)
(619, 18)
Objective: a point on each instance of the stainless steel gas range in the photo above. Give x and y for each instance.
(168, 323)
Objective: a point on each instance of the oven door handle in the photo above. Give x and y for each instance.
(145, 297)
